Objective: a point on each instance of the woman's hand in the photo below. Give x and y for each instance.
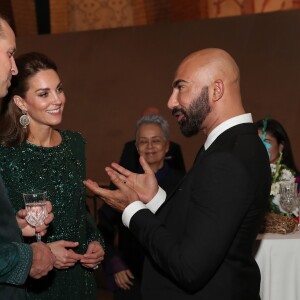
(123, 279)
(65, 256)
(93, 256)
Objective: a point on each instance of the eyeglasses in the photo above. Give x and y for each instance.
(155, 142)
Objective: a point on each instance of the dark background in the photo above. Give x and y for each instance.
(110, 75)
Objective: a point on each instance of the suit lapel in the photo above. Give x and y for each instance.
(200, 155)
(217, 144)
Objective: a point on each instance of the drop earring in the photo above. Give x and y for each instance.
(24, 119)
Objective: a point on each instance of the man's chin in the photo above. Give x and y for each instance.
(188, 132)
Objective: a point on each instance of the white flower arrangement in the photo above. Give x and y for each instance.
(280, 173)
(284, 174)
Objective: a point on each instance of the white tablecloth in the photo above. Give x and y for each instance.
(278, 257)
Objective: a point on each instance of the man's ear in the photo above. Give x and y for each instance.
(218, 90)
(20, 103)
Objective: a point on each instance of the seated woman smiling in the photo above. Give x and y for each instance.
(123, 262)
(152, 142)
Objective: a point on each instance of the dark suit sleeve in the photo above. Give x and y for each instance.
(15, 262)
(206, 212)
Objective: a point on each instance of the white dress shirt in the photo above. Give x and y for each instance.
(154, 204)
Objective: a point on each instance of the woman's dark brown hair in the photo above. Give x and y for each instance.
(29, 64)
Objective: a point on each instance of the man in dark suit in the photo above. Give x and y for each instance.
(130, 157)
(199, 240)
(17, 260)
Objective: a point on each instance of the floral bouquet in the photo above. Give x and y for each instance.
(280, 173)
(277, 219)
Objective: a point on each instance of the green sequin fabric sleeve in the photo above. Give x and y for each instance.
(93, 233)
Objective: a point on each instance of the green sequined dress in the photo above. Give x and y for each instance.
(60, 171)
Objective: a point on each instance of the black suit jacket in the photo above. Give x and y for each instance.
(200, 241)
(130, 157)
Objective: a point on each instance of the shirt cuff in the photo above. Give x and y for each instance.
(153, 205)
(130, 210)
(157, 201)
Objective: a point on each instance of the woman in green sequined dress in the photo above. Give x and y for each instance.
(36, 156)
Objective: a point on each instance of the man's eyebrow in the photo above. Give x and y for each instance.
(177, 82)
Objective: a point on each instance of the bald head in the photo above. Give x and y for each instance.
(214, 71)
(214, 63)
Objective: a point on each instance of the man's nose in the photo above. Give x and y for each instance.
(172, 102)
(14, 69)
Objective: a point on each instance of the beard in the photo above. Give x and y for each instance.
(195, 114)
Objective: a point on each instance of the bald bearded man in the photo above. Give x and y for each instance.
(200, 238)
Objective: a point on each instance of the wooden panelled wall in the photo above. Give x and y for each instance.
(80, 15)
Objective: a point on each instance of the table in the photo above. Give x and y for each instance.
(278, 257)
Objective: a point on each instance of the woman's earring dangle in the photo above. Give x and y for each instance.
(24, 119)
